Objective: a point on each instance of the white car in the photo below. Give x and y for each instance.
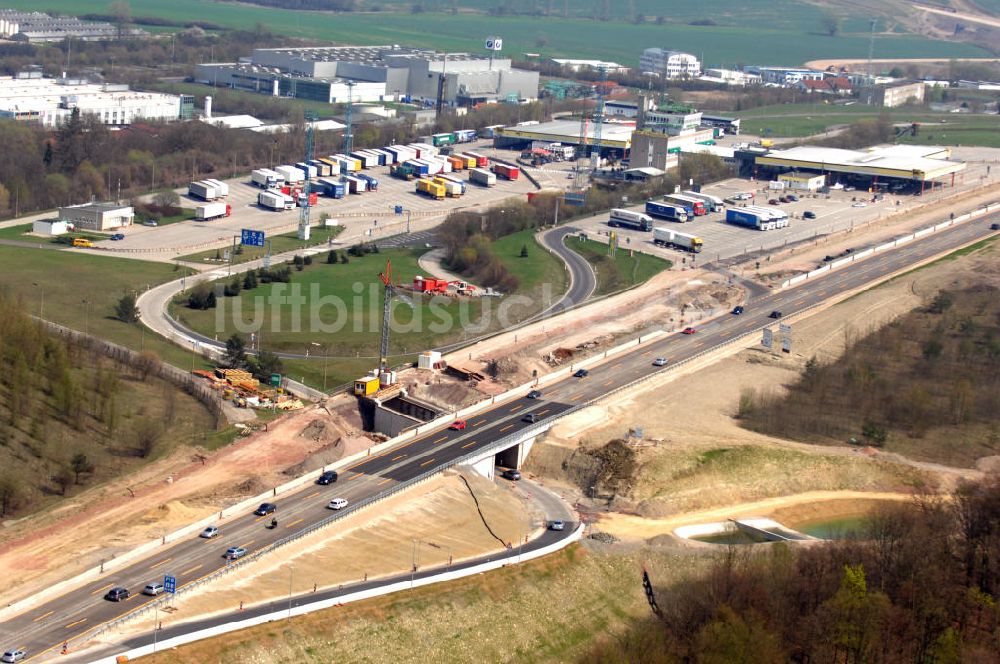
(13, 656)
(209, 532)
(337, 504)
(660, 362)
(859, 204)
(152, 589)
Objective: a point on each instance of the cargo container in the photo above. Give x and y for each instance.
(212, 211)
(627, 219)
(438, 140)
(366, 386)
(457, 163)
(433, 165)
(419, 167)
(430, 188)
(666, 237)
(203, 190)
(266, 178)
(482, 177)
(404, 171)
(355, 185)
(451, 177)
(291, 175)
(667, 211)
(322, 168)
(384, 158)
(366, 160)
(506, 172)
(330, 187)
(481, 160)
(465, 135)
(332, 164)
(713, 203)
(446, 166)
(308, 170)
(348, 164)
(697, 206)
(372, 183)
(451, 189)
(757, 219)
(462, 161)
(275, 200)
(423, 150)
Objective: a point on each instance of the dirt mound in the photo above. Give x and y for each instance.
(174, 512)
(319, 431)
(325, 456)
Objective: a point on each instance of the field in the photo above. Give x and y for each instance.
(784, 32)
(278, 244)
(536, 270)
(618, 273)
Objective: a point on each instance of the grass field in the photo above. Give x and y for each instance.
(782, 32)
(618, 273)
(279, 244)
(536, 273)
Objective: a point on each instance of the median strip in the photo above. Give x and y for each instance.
(385, 481)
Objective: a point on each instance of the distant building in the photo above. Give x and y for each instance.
(33, 27)
(785, 76)
(577, 65)
(660, 150)
(730, 77)
(803, 181)
(49, 227)
(831, 85)
(669, 64)
(896, 95)
(98, 216)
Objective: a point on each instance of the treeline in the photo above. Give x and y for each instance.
(69, 414)
(320, 5)
(920, 585)
(934, 369)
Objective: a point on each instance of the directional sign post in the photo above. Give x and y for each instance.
(170, 584)
(252, 238)
(768, 339)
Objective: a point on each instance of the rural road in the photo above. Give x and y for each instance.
(73, 615)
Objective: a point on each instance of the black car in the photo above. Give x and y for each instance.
(581, 373)
(808, 215)
(117, 595)
(511, 474)
(534, 394)
(776, 314)
(530, 418)
(995, 227)
(329, 477)
(738, 309)
(265, 509)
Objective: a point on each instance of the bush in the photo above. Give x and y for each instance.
(201, 296)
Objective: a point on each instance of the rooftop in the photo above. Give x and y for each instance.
(38, 94)
(907, 160)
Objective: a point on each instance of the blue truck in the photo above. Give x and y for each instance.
(667, 211)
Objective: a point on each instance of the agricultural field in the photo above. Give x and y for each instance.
(784, 32)
(619, 272)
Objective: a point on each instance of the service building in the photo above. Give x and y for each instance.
(98, 216)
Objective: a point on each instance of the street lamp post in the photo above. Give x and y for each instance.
(326, 359)
(41, 305)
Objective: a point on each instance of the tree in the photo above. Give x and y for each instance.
(12, 493)
(147, 362)
(524, 251)
(250, 280)
(63, 478)
(236, 353)
(168, 202)
(147, 437)
(233, 288)
(126, 310)
(263, 365)
(122, 13)
(831, 24)
(80, 464)
(331, 257)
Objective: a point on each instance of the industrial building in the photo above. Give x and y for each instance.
(596, 65)
(615, 143)
(34, 27)
(891, 96)
(785, 76)
(50, 101)
(376, 73)
(669, 64)
(909, 167)
(97, 216)
(662, 150)
(730, 77)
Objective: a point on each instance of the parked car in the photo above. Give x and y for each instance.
(117, 594)
(743, 196)
(149, 222)
(530, 418)
(995, 227)
(209, 532)
(775, 314)
(784, 199)
(534, 394)
(328, 477)
(738, 309)
(118, 236)
(581, 373)
(153, 589)
(792, 197)
(688, 330)
(848, 188)
(859, 204)
(265, 509)
(235, 553)
(13, 655)
(337, 504)
(511, 474)
(557, 525)
(660, 362)
(773, 201)
(458, 425)
(808, 215)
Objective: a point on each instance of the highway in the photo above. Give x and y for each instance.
(45, 627)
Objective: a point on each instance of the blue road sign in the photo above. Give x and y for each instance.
(252, 238)
(573, 198)
(170, 584)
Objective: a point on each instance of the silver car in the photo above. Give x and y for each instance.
(153, 589)
(13, 655)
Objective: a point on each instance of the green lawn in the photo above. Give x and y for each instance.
(536, 270)
(620, 272)
(779, 32)
(279, 244)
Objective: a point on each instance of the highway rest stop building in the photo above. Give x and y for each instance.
(913, 167)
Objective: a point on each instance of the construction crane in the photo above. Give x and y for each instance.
(390, 289)
(348, 129)
(304, 201)
(595, 154)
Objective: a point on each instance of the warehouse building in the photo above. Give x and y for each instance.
(912, 168)
(50, 101)
(97, 216)
(616, 139)
(378, 73)
(661, 150)
(669, 64)
(891, 96)
(34, 27)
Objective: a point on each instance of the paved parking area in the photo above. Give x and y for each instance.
(358, 210)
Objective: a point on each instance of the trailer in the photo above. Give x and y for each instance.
(330, 187)
(430, 188)
(429, 166)
(755, 219)
(203, 190)
(446, 166)
(322, 168)
(465, 135)
(457, 163)
(439, 140)
(384, 158)
(265, 178)
(419, 167)
(636, 221)
(667, 211)
(483, 177)
(291, 175)
(424, 150)
(506, 171)
(301, 198)
(481, 160)
(348, 164)
(275, 200)
(666, 237)
(697, 206)
(451, 177)
(713, 203)
(308, 170)
(372, 183)
(355, 185)
(451, 189)
(332, 164)
(211, 211)
(367, 160)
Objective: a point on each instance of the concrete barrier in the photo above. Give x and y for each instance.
(843, 261)
(863, 254)
(903, 240)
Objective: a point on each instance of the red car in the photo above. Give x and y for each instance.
(458, 425)
(688, 330)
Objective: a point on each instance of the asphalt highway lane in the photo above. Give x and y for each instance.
(45, 627)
